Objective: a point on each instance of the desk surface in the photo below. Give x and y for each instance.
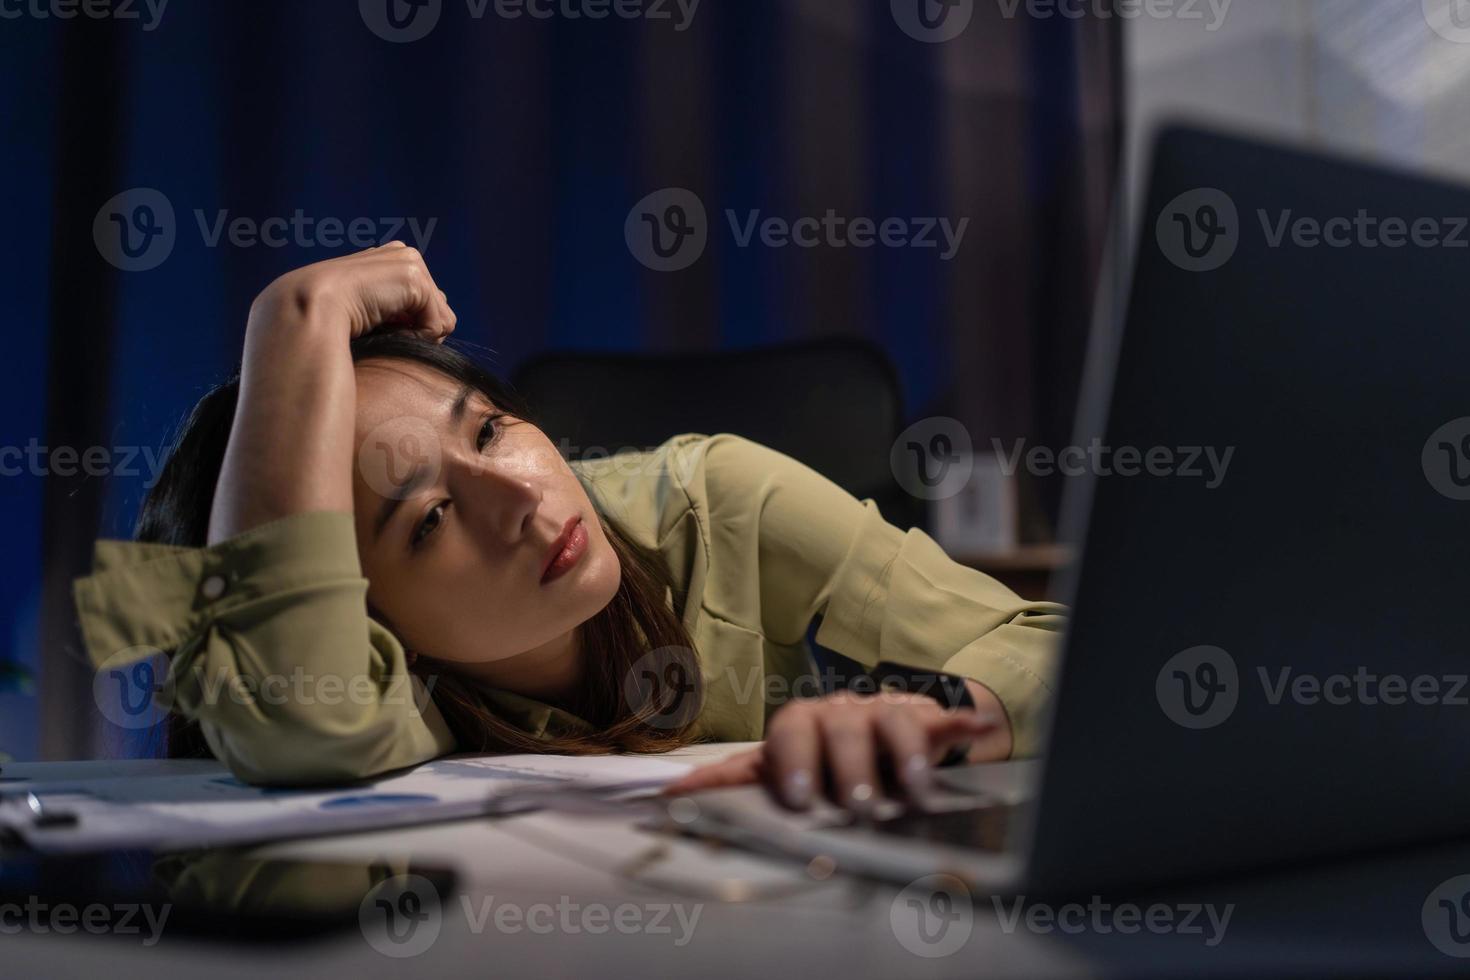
(1361, 918)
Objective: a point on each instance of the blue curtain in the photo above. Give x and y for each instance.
(512, 151)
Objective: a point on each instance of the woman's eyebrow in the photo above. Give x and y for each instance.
(420, 475)
(461, 400)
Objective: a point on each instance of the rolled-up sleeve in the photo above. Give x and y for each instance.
(883, 593)
(270, 647)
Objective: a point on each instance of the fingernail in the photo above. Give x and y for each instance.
(860, 798)
(916, 772)
(797, 789)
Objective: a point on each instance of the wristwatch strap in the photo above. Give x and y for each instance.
(950, 690)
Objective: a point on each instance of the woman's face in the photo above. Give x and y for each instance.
(457, 509)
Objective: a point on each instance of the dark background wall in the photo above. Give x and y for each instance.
(524, 142)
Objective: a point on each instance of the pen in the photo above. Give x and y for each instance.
(43, 817)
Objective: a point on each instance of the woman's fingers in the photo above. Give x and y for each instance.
(396, 287)
(425, 301)
(421, 304)
(847, 741)
(850, 748)
(906, 743)
(387, 285)
(738, 769)
(450, 320)
(793, 754)
(950, 728)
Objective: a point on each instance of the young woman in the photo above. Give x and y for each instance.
(363, 554)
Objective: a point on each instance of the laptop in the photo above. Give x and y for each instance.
(1267, 656)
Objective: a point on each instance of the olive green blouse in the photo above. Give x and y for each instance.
(757, 545)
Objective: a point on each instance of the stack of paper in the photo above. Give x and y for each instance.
(212, 808)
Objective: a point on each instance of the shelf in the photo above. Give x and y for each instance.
(1029, 558)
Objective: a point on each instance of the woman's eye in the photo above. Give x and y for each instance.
(428, 525)
(487, 433)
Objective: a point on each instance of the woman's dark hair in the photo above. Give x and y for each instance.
(638, 620)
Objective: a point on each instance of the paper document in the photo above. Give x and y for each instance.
(213, 808)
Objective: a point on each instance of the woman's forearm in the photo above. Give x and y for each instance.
(290, 447)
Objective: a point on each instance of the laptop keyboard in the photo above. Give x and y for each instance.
(984, 828)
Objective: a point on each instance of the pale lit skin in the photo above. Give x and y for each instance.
(455, 570)
(841, 738)
(313, 432)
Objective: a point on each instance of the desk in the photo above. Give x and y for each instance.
(1359, 918)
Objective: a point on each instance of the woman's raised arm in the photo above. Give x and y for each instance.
(291, 444)
(269, 641)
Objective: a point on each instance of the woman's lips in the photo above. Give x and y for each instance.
(568, 550)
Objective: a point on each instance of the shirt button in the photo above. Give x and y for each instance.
(213, 587)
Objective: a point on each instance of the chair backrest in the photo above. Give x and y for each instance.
(834, 404)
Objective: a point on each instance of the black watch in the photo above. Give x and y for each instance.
(950, 690)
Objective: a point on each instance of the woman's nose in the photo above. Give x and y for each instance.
(496, 497)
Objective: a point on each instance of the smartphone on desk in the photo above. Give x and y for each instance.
(218, 893)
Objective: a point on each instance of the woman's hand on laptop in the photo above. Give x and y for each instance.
(854, 746)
